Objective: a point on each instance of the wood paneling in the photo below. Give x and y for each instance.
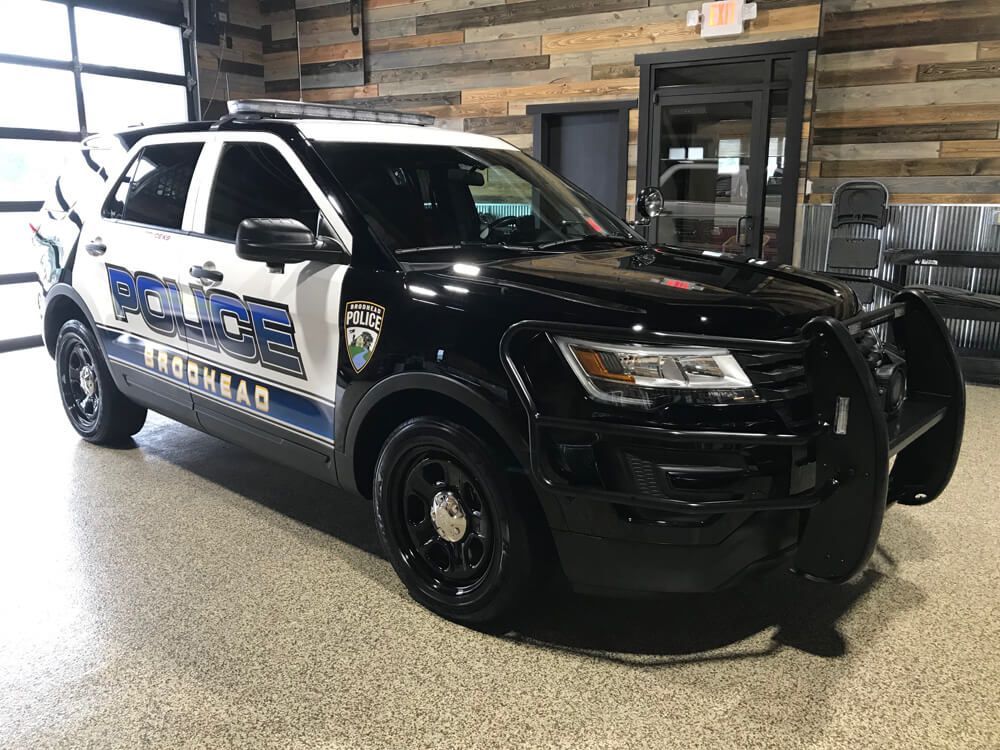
(914, 185)
(909, 93)
(500, 125)
(803, 18)
(985, 148)
(532, 10)
(911, 168)
(877, 151)
(900, 35)
(872, 58)
(614, 70)
(232, 67)
(959, 71)
(916, 115)
(346, 93)
(866, 76)
(394, 44)
(620, 87)
(458, 70)
(331, 53)
(908, 13)
(958, 131)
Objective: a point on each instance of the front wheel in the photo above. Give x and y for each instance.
(98, 411)
(454, 529)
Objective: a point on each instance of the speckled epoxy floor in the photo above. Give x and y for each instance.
(184, 593)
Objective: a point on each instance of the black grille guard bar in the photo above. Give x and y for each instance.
(853, 487)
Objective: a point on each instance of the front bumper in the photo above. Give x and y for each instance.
(646, 508)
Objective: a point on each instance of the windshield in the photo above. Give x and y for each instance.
(420, 198)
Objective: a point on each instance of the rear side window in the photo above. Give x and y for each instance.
(155, 187)
(254, 181)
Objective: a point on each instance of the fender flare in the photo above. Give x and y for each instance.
(441, 385)
(62, 289)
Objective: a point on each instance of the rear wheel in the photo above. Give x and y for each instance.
(454, 529)
(98, 411)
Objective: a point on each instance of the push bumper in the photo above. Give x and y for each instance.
(813, 497)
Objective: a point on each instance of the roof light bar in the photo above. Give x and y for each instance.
(310, 110)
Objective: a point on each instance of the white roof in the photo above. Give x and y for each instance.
(349, 131)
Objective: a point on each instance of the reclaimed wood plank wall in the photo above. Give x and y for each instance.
(477, 64)
(233, 67)
(908, 92)
(331, 53)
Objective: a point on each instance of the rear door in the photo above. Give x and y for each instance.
(274, 382)
(127, 269)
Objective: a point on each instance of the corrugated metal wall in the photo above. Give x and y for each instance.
(925, 227)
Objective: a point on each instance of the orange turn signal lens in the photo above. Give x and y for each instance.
(594, 366)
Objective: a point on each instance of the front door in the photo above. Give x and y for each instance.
(720, 136)
(268, 376)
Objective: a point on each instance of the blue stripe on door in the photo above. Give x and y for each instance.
(266, 400)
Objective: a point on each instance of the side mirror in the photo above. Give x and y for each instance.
(648, 205)
(280, 241)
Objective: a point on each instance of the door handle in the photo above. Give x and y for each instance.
(96, 246)
(206, 274)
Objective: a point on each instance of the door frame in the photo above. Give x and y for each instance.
(797, 50)
(540, 135)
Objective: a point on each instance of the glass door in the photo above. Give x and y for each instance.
(708, 160)
(720, 136)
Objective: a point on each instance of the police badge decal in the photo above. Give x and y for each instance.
(362, 326)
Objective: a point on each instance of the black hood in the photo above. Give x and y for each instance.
(659, 288)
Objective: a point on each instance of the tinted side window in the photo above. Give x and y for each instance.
(154, 188)
(254, 181)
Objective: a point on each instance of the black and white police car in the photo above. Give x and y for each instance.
(518, 380)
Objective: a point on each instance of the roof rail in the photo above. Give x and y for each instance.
(280, 108)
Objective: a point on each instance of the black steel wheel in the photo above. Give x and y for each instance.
(444, 524)
(78, 382)
(98, 411)
(451, 523)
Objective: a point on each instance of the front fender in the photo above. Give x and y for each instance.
(350, 421)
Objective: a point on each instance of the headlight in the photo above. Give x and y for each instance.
(642, 375)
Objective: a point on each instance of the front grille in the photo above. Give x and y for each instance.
(780, 381)
(644, 475)
(775, 375)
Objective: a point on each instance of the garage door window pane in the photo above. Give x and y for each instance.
(38, 98)
(110, 39)
(18, 254)
(113, 104)
(28, 169)
(36, 29)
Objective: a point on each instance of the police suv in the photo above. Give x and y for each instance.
(514, 376)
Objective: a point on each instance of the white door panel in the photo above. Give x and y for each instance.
(133, 290)
(272, 354)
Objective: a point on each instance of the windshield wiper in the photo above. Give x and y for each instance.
(591, 238)
(466, 246)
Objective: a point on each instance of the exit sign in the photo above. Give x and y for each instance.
(723, 18)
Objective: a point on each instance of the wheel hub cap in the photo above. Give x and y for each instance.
(448, 516)
(88, 382)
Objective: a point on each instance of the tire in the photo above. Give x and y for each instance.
(98, 411)
(482, 575)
